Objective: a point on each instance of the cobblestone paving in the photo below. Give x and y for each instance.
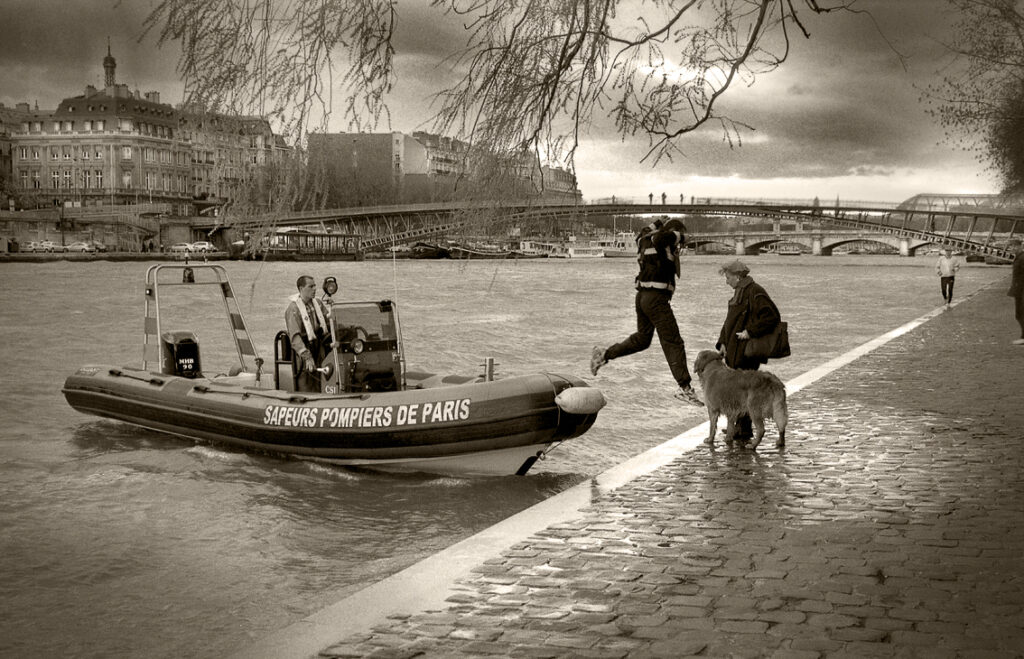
(890, 526)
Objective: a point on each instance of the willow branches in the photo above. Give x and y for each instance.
(532, 76)
(284, 60)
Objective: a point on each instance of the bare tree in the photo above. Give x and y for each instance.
(534, 73)
(980, 101)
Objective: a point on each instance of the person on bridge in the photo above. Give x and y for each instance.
(1017, 287)
(946, 268)
(308, 332)
(658, 252)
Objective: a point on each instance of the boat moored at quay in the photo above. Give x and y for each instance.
(371, 411)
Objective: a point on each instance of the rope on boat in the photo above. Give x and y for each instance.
(119, 373)
(204, 389)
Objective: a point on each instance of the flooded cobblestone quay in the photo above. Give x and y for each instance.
(890, 525)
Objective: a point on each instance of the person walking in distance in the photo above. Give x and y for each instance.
(1017, 287)
(946, 268)
(658, 248)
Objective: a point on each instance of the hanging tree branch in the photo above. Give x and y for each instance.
(535, 74)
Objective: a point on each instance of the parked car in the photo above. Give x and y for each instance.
(99, 247)
(80, 246)
(203, 246)
(181, 247)
(48, 246)
(30, 246)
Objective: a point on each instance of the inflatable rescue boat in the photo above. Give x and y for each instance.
(370, 411)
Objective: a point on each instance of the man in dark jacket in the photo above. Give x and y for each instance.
(751, 314)
(1017, 288)
(658, 253)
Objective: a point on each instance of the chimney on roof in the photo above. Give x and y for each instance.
(153, 97)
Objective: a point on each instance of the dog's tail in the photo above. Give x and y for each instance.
(780, 413)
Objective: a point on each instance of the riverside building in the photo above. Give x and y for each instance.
(373, 169)
(115, 153)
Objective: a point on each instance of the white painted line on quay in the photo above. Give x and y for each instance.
(426, 585)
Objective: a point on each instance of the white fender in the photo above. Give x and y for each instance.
(580, 400)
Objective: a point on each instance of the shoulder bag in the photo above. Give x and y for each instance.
(774, 345)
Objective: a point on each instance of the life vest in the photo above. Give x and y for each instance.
(307, 322)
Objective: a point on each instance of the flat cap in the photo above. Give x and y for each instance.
(736, 267)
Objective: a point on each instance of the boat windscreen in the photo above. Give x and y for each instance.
(375, 319)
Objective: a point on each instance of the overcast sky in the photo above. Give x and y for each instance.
(840, 118)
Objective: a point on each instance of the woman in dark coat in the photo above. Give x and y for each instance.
(751, 314)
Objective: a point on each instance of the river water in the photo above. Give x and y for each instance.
(122, 542)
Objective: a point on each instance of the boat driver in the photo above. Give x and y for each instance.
(306, 322)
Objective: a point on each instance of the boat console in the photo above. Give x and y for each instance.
(365, 356)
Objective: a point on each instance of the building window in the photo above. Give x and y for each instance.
(55, 179)
(87, 125)
(99, 124)
(24, 179)
(68, 181)
(67, 153)
(126, 153)
(85, 151)
(24, 152)
(56, 126)
(54, 153)
(35, 153)
(37, 126)
(87, 179)
(126, 179)
(125, 124)
(99, 178)
(35, 180)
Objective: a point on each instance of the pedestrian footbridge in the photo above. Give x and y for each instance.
(745, 226)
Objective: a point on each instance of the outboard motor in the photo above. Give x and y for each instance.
(181, 354)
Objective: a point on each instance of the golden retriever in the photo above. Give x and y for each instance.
(735, 393)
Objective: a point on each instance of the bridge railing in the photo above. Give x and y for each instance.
(738, 201)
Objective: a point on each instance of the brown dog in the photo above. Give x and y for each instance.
(734, 393)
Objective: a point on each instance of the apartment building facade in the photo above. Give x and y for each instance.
(115, 147)
(373, 169)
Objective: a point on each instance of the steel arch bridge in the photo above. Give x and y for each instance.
(983, 231)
